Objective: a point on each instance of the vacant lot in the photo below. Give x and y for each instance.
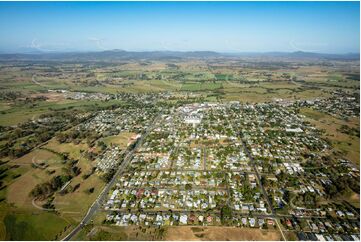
(176, 233)
(116, 233)
(219, 233)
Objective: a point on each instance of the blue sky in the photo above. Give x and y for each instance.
(327, 27)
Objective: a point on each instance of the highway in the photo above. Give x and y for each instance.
(98, 202)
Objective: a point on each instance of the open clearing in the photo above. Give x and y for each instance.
(28, 224)
(349, 145)
(122, 140)
(219, 233)
(31, 176)
(31, 226)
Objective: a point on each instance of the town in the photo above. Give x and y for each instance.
(235, 164)
(180, 121)
(120, 145)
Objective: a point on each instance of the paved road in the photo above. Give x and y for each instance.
(239, 213)
(204, 159)
(97, 203)
(262, 188)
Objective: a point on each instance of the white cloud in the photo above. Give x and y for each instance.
(98, 42)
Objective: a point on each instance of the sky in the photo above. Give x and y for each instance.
(323, 27)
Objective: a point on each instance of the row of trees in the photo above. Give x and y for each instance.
(76, 136)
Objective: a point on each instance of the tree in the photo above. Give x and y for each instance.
(61, 137)
(226, 214)
(102, 145)
(109, 175)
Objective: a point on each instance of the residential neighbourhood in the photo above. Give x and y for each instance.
(180, 121)
(259, 161)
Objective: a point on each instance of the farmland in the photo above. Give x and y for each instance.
(173, 125)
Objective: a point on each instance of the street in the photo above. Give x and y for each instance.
(97, 203)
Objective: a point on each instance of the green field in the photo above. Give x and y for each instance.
(197, 86)
(32, 226)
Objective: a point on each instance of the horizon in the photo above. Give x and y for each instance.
(180, 121)
(39, 52)
(223, 27)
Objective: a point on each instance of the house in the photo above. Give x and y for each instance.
(245, 208)
(320, 237)
(252, 222)
(340, 213)
(134, 218)
(244, 221)
(142, 217)
(355, 237)
(288, 223)
(270, 222)
(183, 219)
(260, 222)
(191, 218)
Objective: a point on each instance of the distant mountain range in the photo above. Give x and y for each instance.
(117, 55)
(302, 54)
